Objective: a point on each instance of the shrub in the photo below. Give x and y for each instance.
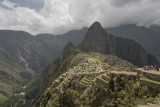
(70, 97)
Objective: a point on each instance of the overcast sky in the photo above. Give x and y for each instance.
(60, 16)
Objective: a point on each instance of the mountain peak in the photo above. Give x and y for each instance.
(96, 30)
(96, 25)
(96, 38)
(70, 49)
(70, 45)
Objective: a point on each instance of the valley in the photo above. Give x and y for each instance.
(24, 56)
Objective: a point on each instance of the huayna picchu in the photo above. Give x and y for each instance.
(98, 40)
(92, 75)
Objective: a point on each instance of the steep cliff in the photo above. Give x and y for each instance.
(148, 37)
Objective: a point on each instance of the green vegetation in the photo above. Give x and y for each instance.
(125, 73)
(94, 60)
(149, 80)
(71, 97)
(19, 50)
(3, 98)
(11, 79)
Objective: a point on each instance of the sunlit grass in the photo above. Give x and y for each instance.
(94, 60)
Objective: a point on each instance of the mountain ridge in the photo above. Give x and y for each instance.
(23, 55)
(148, 37)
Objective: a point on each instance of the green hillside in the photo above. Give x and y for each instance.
(24, 56)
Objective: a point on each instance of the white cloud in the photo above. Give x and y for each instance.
(8, 4)
(60, 16)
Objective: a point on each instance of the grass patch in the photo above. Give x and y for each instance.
(124, 72)
(3, 98)
(94, 60)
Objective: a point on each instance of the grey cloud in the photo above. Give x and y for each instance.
(60, 16)
(123, 2)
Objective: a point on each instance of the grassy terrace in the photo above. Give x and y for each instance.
(83, 84)
(94, 60)
(87, 80)
(152, 72)
(124, 72)
(149, 80)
